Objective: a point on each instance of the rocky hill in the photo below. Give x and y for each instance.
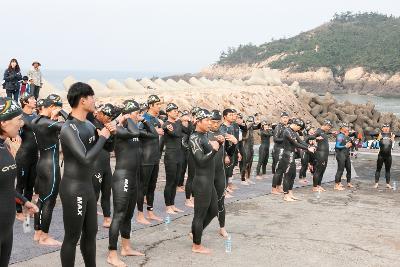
(351, 53)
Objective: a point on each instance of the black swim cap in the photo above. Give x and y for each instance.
(284, 114)
(195, 110)
(130, 106)
(107, 109)
(216, 115)
(53, 99)
(203, 114)
(170, 107)
(9, 109)
(153, 99)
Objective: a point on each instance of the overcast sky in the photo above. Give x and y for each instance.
(154, 35)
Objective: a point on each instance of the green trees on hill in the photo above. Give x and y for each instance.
(349, 40)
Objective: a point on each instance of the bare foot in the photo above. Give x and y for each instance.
(338, 187)
(176, 209)
(303, 181)
(295, 198)
(228, 189)
(113, 259)
(141, 219)
(200, 249)
(259, 177)
(189, 203)
(153, 217)
(20, 216)
(288, 198)
(180, 189)
(321, 189)
(280, 189)
(223, 232)
(244, 183)
(37, 235)
(376, 185)
(107, 222)
(275, 191)
(316, 189)
(349, 185)
(169, 210)
(233, 187)
(48, 241)
(130, 252)
(388, 186)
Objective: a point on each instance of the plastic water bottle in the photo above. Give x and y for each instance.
(26, 225)
(394, 185)
(167, 221)
(228, 244)
(317, 196)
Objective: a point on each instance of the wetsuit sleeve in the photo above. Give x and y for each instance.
(57, 125)
(278, 138)
(198, 153)
(339, 140)
(243, 127)
(71, 138)
(295, 141)
(147, 131)
(131, 130)
(20, 199)
(230, 149)
(63, 114)
(175, 132)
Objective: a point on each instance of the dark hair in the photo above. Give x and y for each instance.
(17, 69)
(227, 111)
(77, 91)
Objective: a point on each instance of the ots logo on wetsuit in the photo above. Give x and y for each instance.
(79, 202)
(73, 126)
(7, 168)
(126, 185)
(92, 139)
(135, 139)
(98, 177)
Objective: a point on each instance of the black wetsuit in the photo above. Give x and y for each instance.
(384, 156)
(205, 195)
(220, 179)
(342, 157)
(80, 148)
(48, 169)
(263, 151)
(125, 181)
(103, 173)
(306, 158)
(232, 130)
(190, 168)
(247, 152)
(184, 157)
(321, 157)
(287, 165)
(277, 153)
(8, 198)
(26, 159)
(150, 148)
(172, 159)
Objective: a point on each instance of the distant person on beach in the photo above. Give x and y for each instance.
(24, 86)
(12, 77)
(35, 77)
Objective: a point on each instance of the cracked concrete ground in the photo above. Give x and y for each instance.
(357, 227)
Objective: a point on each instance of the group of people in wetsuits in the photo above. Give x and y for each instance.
(207, 145)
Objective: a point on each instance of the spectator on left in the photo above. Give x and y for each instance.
(12, 77)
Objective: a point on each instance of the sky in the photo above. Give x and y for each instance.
(176, 36)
